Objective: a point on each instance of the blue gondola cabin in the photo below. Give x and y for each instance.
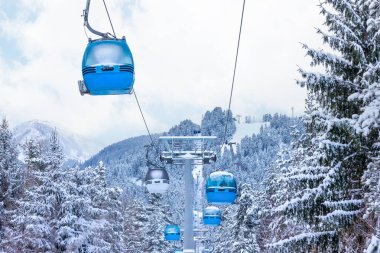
(172, 233)
(221, 188)
(212, 216)
(107, 68)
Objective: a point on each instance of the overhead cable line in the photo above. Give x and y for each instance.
(109, 18)
(233, 77)
(152, 144)
(142, 115)
(134, 92)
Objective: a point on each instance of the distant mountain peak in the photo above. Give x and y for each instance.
(75, 147)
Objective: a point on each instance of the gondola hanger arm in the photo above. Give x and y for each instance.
(87, 24)
(148, 162)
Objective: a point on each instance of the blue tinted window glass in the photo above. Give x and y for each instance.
(108, 53)
(222, 180)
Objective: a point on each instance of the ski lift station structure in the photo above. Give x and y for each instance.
(187, 150)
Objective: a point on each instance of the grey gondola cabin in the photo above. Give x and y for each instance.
(157, 180)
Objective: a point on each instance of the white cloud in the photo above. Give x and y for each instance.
(184, 53)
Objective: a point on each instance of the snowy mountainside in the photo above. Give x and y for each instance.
(119, 152)
(124, 161)
(74, 147)
(247, 129)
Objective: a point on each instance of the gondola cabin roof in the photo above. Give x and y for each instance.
(221, 174)
(211, 210)
(172, 229)
(221, 179)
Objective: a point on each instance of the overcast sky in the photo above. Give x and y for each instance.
(184, 54)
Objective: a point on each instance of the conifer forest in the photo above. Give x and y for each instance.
(306, 183)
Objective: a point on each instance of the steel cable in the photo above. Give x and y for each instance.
(233, 77)
(109, 18)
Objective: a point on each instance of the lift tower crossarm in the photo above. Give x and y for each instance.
(177, 146)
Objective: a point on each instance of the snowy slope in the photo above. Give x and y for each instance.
(75, 147)
(244, 129)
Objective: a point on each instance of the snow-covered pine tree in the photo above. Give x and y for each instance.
(38, 207)
(185, 128)
(106, 201)
(271, 230)
(53, 154)
(371, 180)
(225, 159)
(240, 224)
(367, 122)
(154, 240)
(134, 224)
(256, 153)
(221, 237)
(246, 222)
(35, 207)
(213, 123)
(10, 183)
(297, 190)
(90, 219)
(72, 222)
(337, 195)
(144, 224)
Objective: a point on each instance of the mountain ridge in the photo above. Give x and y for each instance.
(75, 147)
